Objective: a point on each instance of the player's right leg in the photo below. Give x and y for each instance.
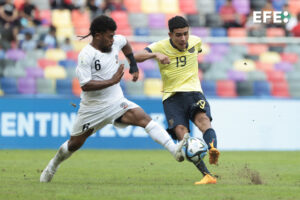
(63, 153)
(137, 117)
(178, 123)
(209, 135)
(181, 133)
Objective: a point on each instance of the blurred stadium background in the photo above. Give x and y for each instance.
(249, 72)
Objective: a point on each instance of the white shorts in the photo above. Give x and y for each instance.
(96, 117)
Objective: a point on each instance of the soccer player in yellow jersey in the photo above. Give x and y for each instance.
(183, 98)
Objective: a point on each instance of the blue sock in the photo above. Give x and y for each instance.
(209, 137)
(202, 167)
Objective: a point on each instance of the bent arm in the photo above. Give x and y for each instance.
(93, 85)
(97, 85)
(143, 55)
(127, 49)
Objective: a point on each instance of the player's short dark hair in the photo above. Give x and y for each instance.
(101, 24)
(177, 22)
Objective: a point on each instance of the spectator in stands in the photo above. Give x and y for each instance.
(9, 20)
(296, 30)
(62, 4)
(49, 40)
(2, 52)
(254, 29)
(78, 4)
(28, 44)
(269, 7)
(114, 5)
(229, 15)
(29, 13)
(292, 20)
(96, 7)
(66, 45)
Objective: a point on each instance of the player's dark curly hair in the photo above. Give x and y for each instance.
(177, 22)
(101, 24)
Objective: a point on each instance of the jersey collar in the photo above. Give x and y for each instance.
(173, 45)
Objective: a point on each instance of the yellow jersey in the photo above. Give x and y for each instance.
(181, 75)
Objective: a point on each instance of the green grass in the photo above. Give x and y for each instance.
(99, 174)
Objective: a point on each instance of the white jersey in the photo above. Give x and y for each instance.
(96, 65)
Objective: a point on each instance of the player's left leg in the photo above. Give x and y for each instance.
(63, 153)
(138, 117)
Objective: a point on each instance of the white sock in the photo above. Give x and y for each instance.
(161, 136)
(62, 154)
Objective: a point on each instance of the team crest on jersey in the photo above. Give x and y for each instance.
(192, 50)
(124, 105)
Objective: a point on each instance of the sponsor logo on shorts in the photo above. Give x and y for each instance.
(85, 126)
(171, 122)
(124, 105)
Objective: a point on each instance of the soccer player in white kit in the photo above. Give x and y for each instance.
(102, 99)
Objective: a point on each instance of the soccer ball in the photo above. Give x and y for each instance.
(194, 149)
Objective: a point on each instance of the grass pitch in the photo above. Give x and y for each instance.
(140, 175)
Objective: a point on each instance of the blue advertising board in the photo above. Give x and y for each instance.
(37, 123)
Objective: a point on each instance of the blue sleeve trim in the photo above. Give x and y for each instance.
(148, 49)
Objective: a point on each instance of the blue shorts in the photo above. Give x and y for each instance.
(182, 107)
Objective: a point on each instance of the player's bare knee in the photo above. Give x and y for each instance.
(74, 145)
(144, 120)
(138, 117)
(202, 122)
(76, 142)
(180, 130)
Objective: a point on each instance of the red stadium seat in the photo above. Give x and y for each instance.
(188, 6)
(72, 55)
(289, 57)
(124, 31)
(18, 3)
(138, 46)
(264, 66)
(80, 19)
(257, 49)
(43, 63)
(80, 31)
(45, 16)
(280, 89)
(121, 18)
(275, 76)
(294, 6)
(237, 32)
(76, 89)
(275, 32)
(133, 6)
(226, 88)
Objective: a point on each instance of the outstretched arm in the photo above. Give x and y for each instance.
(127, 50)
(145, 55)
